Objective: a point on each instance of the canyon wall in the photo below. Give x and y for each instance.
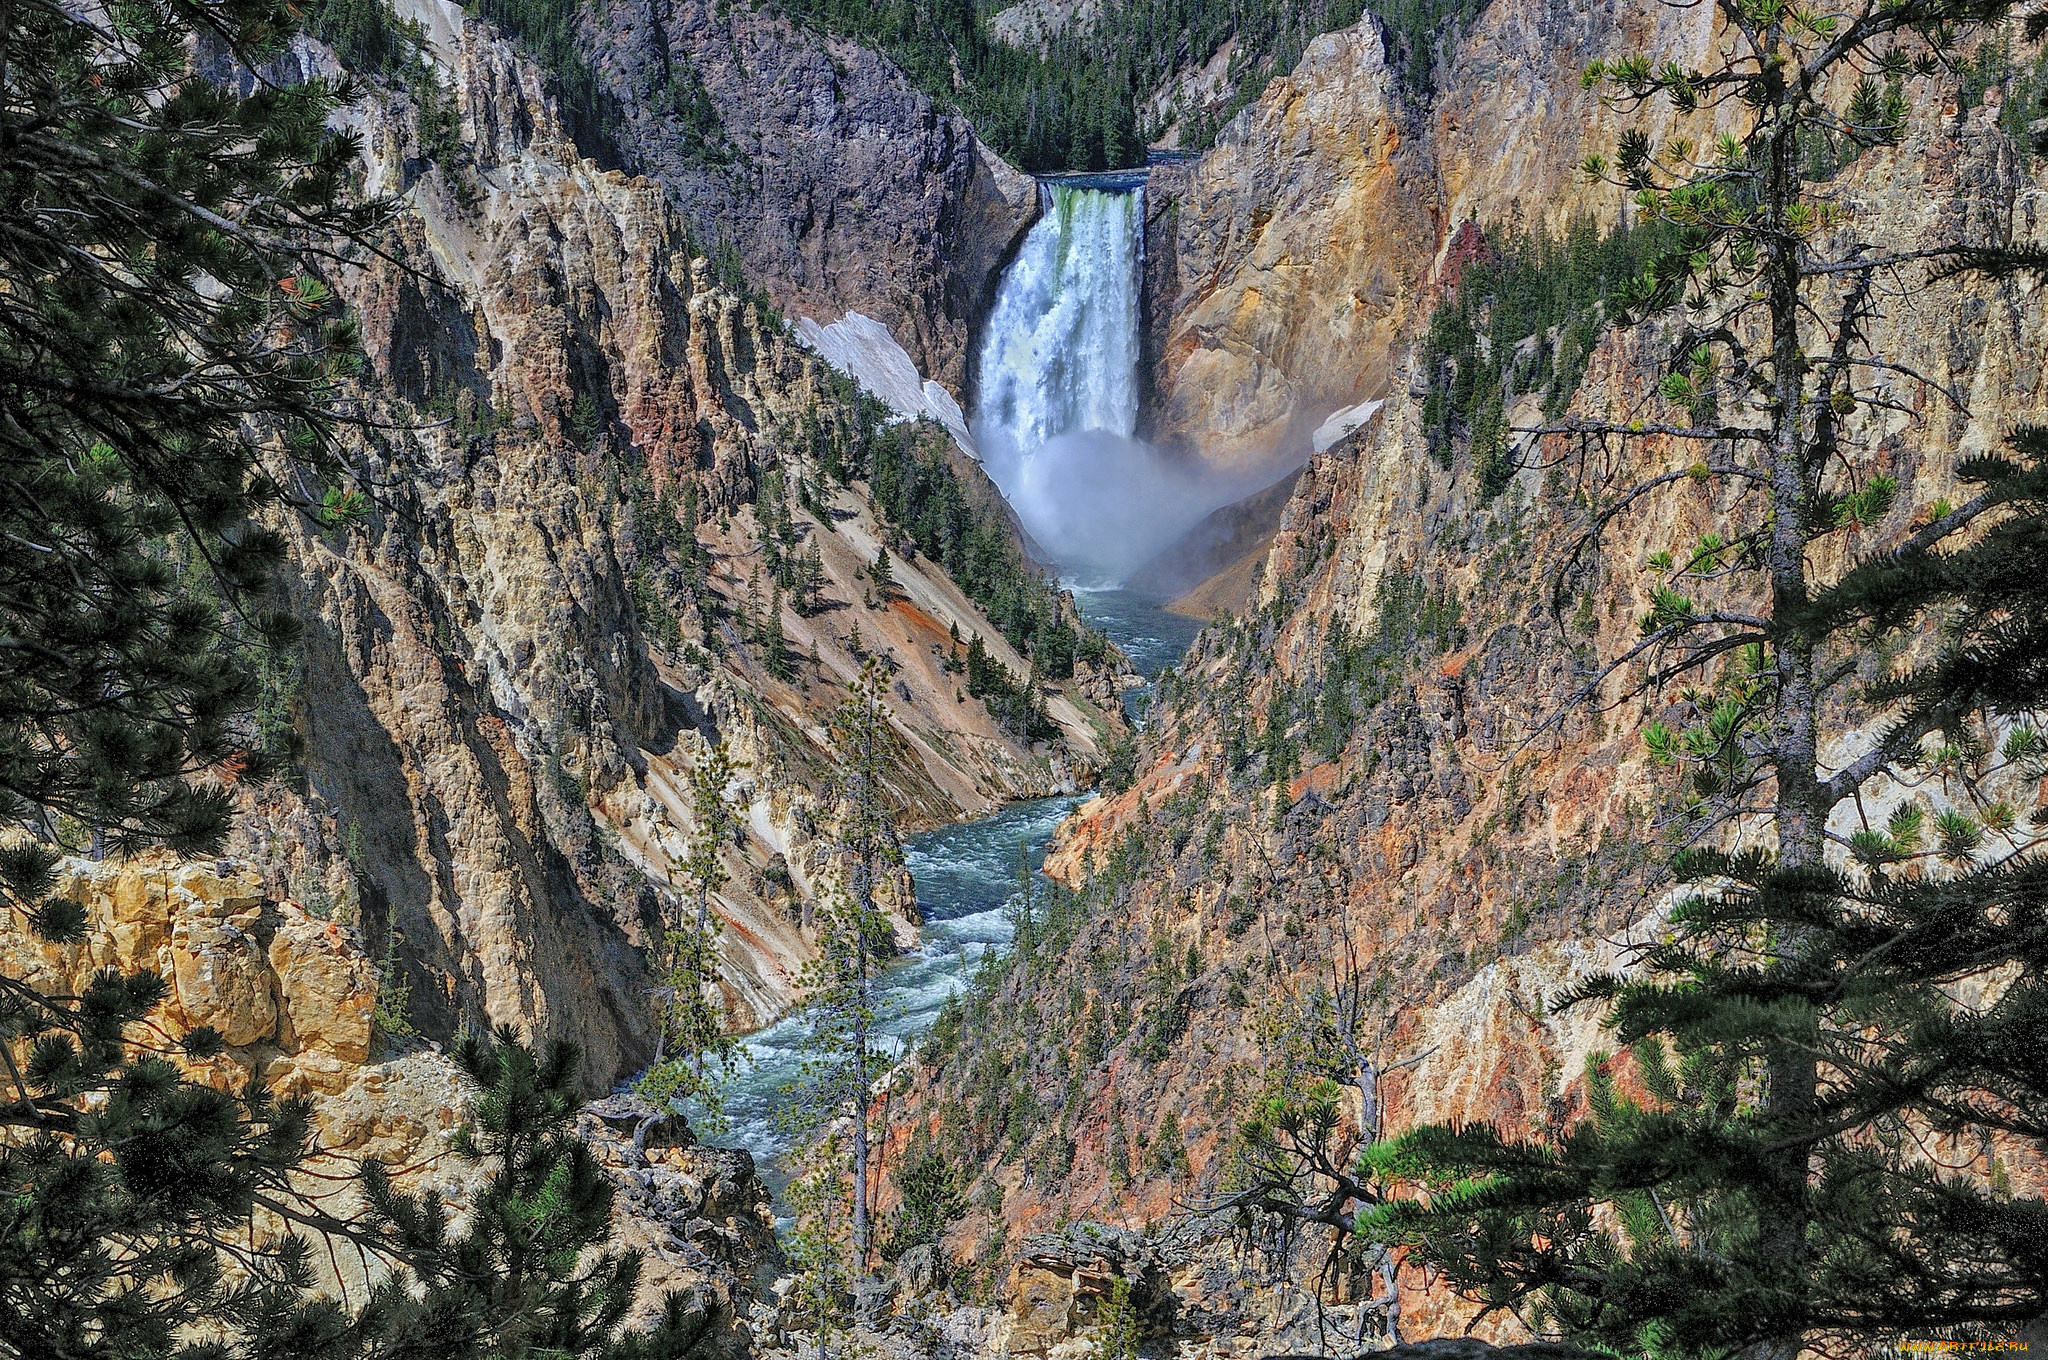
(501, 686)
(295, 1000)
(1469, 839)
(1299, 256)
(841, 186)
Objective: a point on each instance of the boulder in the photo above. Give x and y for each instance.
(219, 973)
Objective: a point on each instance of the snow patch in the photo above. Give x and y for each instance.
(863, 349)
(1341, 423)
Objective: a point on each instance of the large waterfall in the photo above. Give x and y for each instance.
(1061, 352)
(1058, 403)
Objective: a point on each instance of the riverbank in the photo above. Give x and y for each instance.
(966, 875)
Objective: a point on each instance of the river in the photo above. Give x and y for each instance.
(966, 875)
(1055, 417)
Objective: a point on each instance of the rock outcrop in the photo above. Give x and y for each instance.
(291, 995)
(1298, 256)
(1299, 249)
(294, 998)
(841, 186)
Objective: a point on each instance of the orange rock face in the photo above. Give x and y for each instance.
(1466, 844)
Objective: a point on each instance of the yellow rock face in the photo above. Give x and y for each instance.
(326, 983)
(220, 973)
(288, 993)
(1301, 243)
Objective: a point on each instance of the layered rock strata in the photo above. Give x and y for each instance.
(495, 742)
(1296, 259)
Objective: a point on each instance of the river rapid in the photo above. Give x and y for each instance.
(966, 875)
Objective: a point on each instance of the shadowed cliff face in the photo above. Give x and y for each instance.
(500, 699)
(843, 188)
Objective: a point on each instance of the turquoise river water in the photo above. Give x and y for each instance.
(966, 875)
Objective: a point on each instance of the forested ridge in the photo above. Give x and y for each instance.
(1078, 105)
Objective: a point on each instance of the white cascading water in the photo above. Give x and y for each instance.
(1058, 401)
(1060, 355)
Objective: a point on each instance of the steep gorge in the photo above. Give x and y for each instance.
(1472, 841)
(613, 512)
(508, 669)
(504, 676)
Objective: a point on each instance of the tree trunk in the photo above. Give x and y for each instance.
(697, 974)
(1791, 1075)
(860, 1140)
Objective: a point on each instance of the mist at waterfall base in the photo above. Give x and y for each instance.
(1057, 415)
(1103, 504)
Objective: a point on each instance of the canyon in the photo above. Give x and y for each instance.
(494, 740)
(610, 372)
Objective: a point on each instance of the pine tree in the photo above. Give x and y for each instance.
(692, 1038)
(695, 559)
(168, 374)
(1116, 1335)
(810, 580)
(774, 642)
(521, 1273)
(814, 1244)
(841, 1008)
(1808, 1074)
(139, 406)
(977, 667)
(127, 1187)
(1021, 908)
(929, 1198)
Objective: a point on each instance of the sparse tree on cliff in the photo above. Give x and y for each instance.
(1326, 1045)
(693, 1047)
(168, 368)
(526, 1273)
(841, 1008)
(814, 1245)
(1832, 1066)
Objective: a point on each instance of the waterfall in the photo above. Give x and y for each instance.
(1058, 406)
(1060, 355)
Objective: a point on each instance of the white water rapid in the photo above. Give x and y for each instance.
(1058, 406)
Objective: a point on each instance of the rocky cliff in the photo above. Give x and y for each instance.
(1297, 257)
(1457, 844)
(295, 1000)
(1298, 249)
(505, 674)
(841, 187)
